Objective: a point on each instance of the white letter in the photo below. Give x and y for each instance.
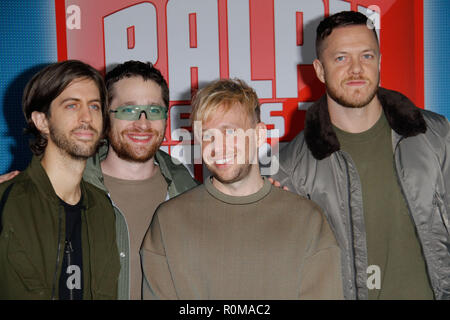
(131, 34)
(176, 122)
(374, 281)
(287, 54)
(74, 19)
(239, 47)
(74, 280)
(373, 13)
(277, 121)
(338, 6)
(183, 57)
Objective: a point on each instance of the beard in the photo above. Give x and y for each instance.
(351, 101)
(77, 151)
(128, 152)
(238, 173)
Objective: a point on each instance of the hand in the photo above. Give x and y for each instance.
(275, 183)
(8, 176)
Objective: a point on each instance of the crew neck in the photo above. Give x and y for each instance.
(364, 136)
(132, 182)
(251, 198)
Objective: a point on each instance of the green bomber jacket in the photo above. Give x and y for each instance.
(33, 233)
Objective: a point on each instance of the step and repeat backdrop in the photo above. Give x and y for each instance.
(267, 43)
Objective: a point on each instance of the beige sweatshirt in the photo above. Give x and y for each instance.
(273, 244)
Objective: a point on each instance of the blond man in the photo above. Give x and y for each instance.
(236, 236)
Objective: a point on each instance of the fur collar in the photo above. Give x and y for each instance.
(403, 117)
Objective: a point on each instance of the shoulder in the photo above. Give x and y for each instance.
(19, 186)
(437, 123)
(305, 216)
(174, 170)
(294, 149)
(291, 154)
(187, 199)
(167, 162)
(94, 190)
(96, 196)
(297, 206)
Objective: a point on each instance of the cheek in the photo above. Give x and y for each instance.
(159, 125)
(117, 126)
(207, 152)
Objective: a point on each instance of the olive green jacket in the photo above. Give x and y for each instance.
(33, 233)
(178, 180)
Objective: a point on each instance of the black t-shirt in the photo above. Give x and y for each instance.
(71, 279)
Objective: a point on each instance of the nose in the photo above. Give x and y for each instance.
(355, 66)
(142, 123)
(85, 114)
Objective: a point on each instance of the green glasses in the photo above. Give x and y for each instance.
(133, 113)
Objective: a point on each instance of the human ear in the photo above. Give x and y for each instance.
(318, 67)
(40, 121)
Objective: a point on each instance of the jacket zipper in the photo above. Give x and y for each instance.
(356, 289)
(68, 252)
(57, 254)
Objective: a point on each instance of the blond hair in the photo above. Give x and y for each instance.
(225, 93)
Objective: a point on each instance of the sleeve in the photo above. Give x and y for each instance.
(286, 162)
(157, 278)
(446, 167)
(321, 276)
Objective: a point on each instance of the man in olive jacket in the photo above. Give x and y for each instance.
(57, 238)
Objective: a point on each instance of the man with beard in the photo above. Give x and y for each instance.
(379, 168)
(237, 236)
(131, 169)
(57, 234)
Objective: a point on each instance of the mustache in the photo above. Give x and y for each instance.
(149, 131)
(353, 78)
(86, 127)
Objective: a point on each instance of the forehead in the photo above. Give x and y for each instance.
(223, 117)
(350, 38)
(137, 90)
(80, 88)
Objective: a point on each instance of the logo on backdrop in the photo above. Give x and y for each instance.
(270, 44)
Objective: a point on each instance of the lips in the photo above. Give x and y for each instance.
(140, 138)
(84, 134)
(356, 82)
(225, 161)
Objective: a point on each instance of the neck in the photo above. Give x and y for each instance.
(251, 184)
(354, 120)
(122, 169)
(64, 172)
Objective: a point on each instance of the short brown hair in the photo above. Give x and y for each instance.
(339, 20)
(47, 85)
(225, 93)
(132, 68)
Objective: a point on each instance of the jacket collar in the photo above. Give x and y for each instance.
(403, 117)
(39, 176)
(93, 172)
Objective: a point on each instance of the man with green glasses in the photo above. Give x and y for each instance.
(133, 113)
(130, 167)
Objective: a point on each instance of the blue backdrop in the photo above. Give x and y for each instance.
(28, 42)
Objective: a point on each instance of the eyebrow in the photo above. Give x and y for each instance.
(224, 126)
(77, 99)
(134, 103)
(365, 50)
